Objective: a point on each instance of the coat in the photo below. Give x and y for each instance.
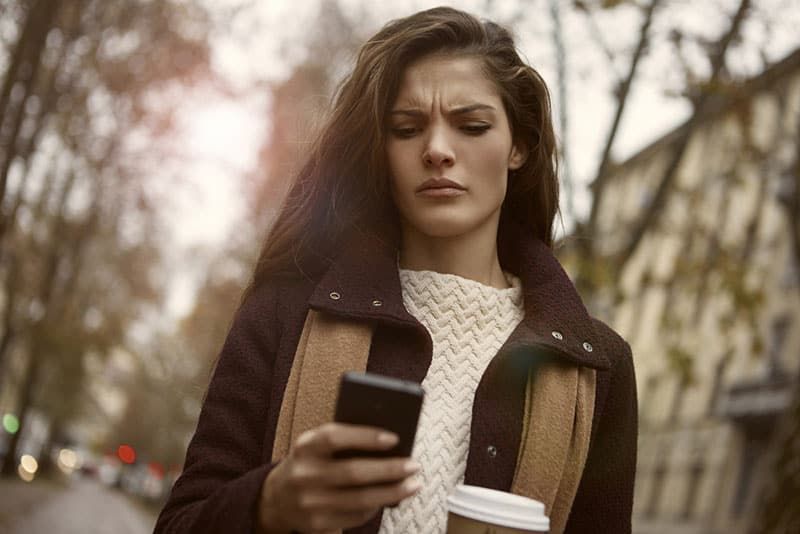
(229, 455)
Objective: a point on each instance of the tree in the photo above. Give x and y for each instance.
(165, 392)
(79, 258)
(297, 107)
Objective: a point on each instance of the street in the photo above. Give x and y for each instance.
(72, 507)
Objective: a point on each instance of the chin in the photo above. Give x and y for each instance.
(446, 228)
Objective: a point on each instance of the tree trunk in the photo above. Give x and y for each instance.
(31, 378)
(54, 436)
(792, 206)
(586, 279)
(28, 34)
(14, 261)
(598, 185)
(8, 317)
(47, 104)
(563, 116)
(28, 50)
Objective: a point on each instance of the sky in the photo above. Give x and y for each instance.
(222, 136)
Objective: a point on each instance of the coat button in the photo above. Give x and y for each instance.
(377, 303)
(334, 295)
(491, 450)
(556, 334)
(587, 346)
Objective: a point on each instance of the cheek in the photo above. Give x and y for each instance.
(491, 162)
(400, 168)
(396, 182)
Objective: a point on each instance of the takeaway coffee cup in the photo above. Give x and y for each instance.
(476, 510)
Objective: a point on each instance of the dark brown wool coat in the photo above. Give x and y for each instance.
(228, 457)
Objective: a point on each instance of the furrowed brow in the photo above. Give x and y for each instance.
(407, 113)
(463, 110)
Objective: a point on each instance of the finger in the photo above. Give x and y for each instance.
(363, 499)
(366, 471)
(312, 472)
(330, 437)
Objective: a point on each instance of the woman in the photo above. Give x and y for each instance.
(425, 210)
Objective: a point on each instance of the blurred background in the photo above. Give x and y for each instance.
(145, 146)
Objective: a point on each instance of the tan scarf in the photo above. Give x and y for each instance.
(559, 406)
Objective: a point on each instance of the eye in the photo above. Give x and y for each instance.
(475, 128)
(404, 132)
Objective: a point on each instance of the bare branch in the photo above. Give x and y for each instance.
(29, 49)
(597, 35)
(598, 185)
(561, 66)
(651, 215)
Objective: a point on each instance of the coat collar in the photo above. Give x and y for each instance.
(362, 282)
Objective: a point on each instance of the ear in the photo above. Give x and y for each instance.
(518, 156)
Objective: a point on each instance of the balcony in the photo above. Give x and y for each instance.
(757, 401)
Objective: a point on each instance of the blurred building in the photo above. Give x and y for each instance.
(710, 301)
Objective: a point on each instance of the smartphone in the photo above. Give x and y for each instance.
(380, 401)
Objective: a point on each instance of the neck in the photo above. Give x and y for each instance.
(472, 256)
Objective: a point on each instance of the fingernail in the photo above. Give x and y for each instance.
(412, 485)
(387, 438)
(411, 466)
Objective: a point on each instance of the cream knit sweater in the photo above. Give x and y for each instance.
(468, 323)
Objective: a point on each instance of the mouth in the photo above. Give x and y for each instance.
(442, 185)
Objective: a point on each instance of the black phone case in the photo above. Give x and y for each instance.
(380, 401)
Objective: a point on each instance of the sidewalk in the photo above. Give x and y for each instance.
(69, 507)
(20, 498)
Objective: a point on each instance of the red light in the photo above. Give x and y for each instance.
(157, 469)
(126, 454)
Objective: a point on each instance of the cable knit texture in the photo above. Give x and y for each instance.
(468, 323)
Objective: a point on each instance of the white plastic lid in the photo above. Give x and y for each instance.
(498, 508)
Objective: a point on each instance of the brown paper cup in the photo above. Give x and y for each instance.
(476, 510)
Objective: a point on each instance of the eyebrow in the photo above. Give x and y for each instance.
(461, 110)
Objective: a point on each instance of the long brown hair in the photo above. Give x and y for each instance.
(344, 185)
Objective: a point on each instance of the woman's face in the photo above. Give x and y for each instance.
(449, 148)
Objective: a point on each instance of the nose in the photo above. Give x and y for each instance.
(438, 151)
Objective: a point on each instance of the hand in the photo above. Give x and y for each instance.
(311, 492)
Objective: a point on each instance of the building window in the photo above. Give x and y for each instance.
(695, 478)
(716, 386)
(659, 476)
(677, 400)
(645, 198)
(750, 454)
(710, 263)
(791, 277)
(639, 302)
(648, 404)
(780, 328)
